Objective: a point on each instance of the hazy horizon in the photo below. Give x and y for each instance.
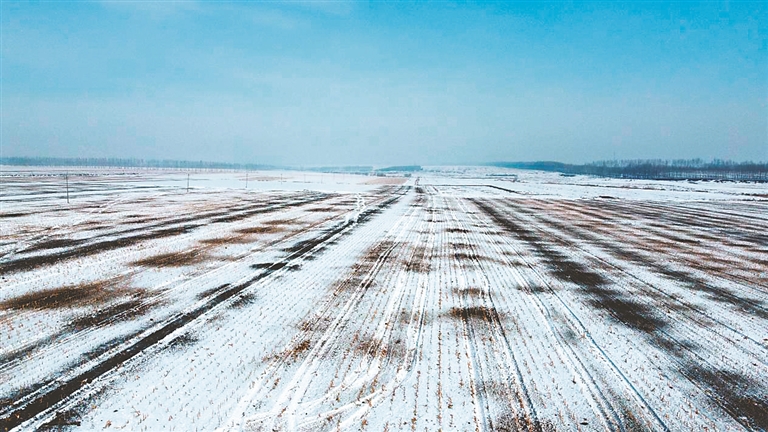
(346, 83)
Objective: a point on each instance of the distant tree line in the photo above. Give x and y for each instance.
(401, 168)
(128, 163)
(351, 169)
(655, 169)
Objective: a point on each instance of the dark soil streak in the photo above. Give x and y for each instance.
(735, 393)
(12, 215)
(55, 391)
(68, 296)
(752, 306)
(173, 259)
(725, 227)
(510, 423)
(743, 399)
(29, 263)
(474, 313)
(32, 262)
(633, 314)
(54, 244)
(747, 305)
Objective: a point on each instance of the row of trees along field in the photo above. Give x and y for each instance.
(656, 169)
(185, 165)
(127, 163)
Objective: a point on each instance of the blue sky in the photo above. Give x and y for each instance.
(335, 82)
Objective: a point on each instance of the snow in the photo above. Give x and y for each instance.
(468, 298)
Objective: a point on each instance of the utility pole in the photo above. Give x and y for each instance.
(246, 179)
(187, 182)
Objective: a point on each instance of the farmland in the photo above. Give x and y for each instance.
(456, 300)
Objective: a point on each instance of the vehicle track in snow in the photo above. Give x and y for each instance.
(83, 326)
(337, 313)
(40, 402)
(167, 228)
(672, 335)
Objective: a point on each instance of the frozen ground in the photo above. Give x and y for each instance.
(462, 299)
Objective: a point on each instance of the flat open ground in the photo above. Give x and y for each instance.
(461, 299)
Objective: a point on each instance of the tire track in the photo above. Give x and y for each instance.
(715, 292)
(718, 382)
(54, 392)
(338, 314)
(530, 238)
(564, 352)
(32, 262)
(487, 315)
(121, 311)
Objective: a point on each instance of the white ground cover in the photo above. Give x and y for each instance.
(464, 299)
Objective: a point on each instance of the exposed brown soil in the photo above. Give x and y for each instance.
(62, 389)
(374, 253)
(314, 324)
(456, 230)
(182, 342)
(368, 347)
(230, 239)
(276, 222)
(535, 289)
(419, 262)
(136, 235)
(210, 291)
(268, 229)
(463, 258)
(70, 296)
(54, 244)
(300, 348)
(470, 291)
(29, 263)
(133, 306)
(468, 260)
(244, 300)
(476, 313)
(751, 306)
(62, 420)
(511, 423)
(325, 209)
(461, 246)
(621, 307)
(734, 392)
(174, 259)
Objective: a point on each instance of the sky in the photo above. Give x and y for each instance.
(384, 82)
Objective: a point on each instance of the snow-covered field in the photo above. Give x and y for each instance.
(458, 299)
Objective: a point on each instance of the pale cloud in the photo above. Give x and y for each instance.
(155, 9)
(330, 7)
(278, 19)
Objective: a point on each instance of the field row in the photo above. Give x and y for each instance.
(418, 307)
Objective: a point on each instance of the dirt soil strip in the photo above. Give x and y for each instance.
(737, 395)
(104, 317)
(56, 391)
(29, 263)
(457, 185)
(750, 305)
